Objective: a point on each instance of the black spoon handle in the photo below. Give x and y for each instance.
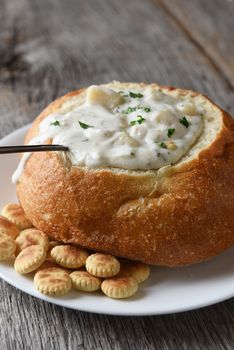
(32, 148)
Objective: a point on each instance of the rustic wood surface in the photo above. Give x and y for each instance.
(49, 47)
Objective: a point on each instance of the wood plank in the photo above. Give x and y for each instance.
(27, 323)
(93, 42)
(210, 26)
(49, 47)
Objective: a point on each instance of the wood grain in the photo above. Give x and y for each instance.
(209, 25)
(27, 323)
(49, 47)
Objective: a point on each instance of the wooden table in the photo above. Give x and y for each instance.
(49, 47)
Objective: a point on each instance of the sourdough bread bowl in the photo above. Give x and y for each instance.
(179, 212)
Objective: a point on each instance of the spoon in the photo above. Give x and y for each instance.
(32, 148)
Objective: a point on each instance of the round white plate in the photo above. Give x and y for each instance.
(166, 291)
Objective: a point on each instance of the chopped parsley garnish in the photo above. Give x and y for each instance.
(163, 145)
(133, 109)
(170, 132)
(140, 120)
(84, 126)
(130, 110)
(135, 95)
(130, 94)
(184, 122)
(55, 123)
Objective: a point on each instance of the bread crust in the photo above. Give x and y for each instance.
(183, 217)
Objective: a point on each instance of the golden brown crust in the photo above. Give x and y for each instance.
(189, 218)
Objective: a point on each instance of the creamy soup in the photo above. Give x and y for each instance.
(131, 129)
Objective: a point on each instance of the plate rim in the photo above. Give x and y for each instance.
(55, 301)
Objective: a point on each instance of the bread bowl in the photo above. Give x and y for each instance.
(173, 211)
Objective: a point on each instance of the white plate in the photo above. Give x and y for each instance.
(166, 291)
